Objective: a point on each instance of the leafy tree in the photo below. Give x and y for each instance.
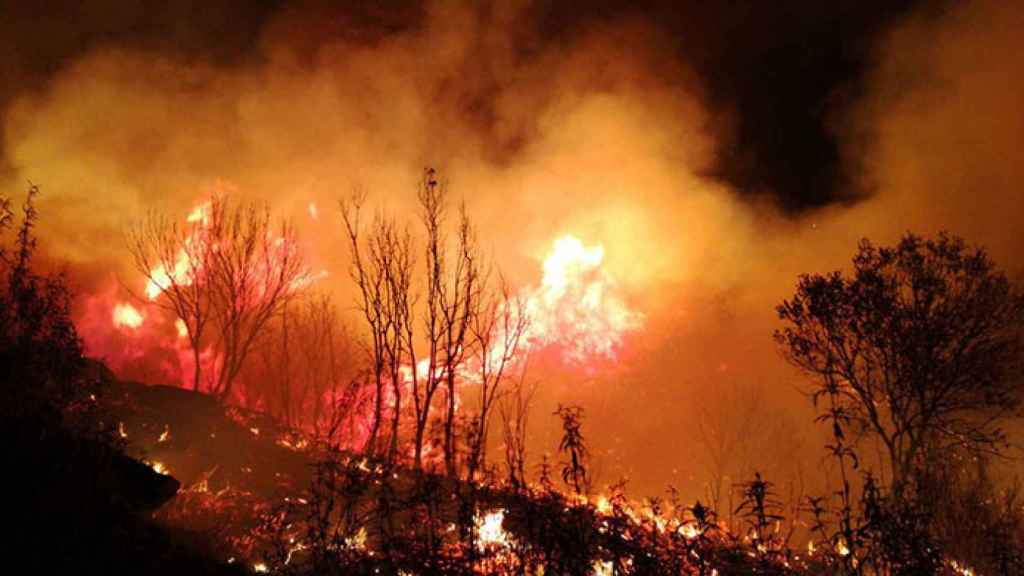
(919, 348)
(40, 352)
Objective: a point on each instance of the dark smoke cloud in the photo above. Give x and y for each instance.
(770, 71)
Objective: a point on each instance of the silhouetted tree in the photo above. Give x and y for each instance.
(231, 270)
(40, 352)
(919, 348)
(498, 326)
(303, 372)
(382, 268)
(422, 350)
(177, 263)
(574, 468)
(514, 407)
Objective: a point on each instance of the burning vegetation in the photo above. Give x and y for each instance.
(243, 331)
(294, 443)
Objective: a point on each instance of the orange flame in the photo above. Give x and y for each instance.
(578, 305)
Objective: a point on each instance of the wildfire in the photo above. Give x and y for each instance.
(160, 278)
(578, 305)
(182, 329)
(489, 530)
(159, 468)
(127, 316)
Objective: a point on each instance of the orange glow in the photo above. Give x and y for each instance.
(490, 531)
(160, 278)
(179, 324)
(127, 316)
(578, 305)
(160, 468)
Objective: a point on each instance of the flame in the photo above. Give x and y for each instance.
(578, 305)
(182, 329)
(358, 540)
(603, 568)
(489, 530)
(126, 315)
(160, 278)
(159, 468)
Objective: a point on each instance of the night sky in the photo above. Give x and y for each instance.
(778, 73)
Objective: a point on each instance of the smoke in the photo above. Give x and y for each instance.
(940, 136)
(599, 133)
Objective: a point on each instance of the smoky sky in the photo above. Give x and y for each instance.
(772, 74)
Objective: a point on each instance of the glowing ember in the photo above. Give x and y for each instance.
(127, 316)
(165, 435)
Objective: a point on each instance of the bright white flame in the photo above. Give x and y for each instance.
(127, 316)
(578, 305)
(489, 531)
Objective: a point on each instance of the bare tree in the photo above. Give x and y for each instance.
(453, 294)
(224, 275)
(176, 262)
(382, 263)
(498, 328)
(738, 432)
(303, 370)
(255, 270)
(921, 348)
(424, 348)
(514, 407)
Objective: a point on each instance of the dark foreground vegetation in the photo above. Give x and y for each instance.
(915, 355)
(76, 504)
